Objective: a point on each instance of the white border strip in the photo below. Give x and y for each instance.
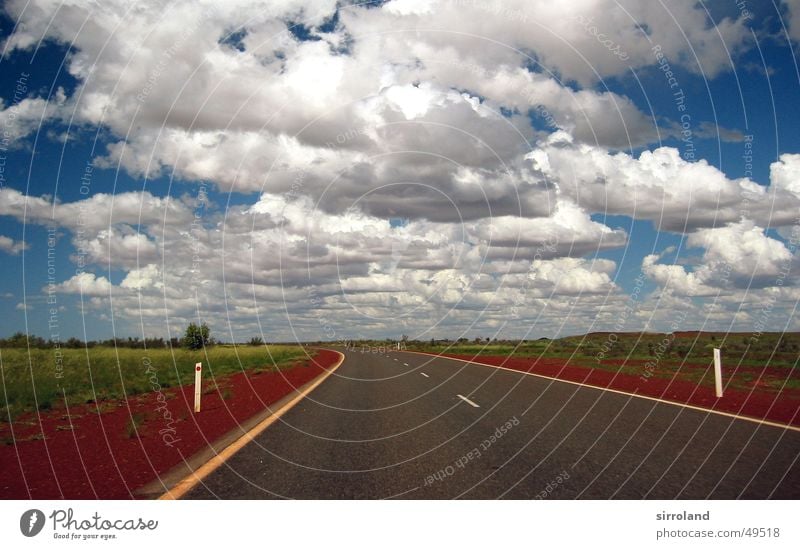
(654, 399)
(195, 477)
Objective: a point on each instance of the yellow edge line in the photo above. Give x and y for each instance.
(194, 478)
(670, 402)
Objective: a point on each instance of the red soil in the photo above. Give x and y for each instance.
(760, 402)
(99, 459)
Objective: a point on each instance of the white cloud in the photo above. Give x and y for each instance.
(737, 255)
(120, 246)
(398, 173)
(575, 276)
(675, 194)
(20, 115)
(191, 106)
(87, 284)
(785, 174)
(97, 212)
(676, 278)
(558, 33)
(139, 279)
(752, 257)
(10, 246)
(568, 232)
(283, 254)
(792, 19)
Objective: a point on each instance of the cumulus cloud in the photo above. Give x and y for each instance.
(659, 185)
(284, 255)
(785, 174)
(139, 279)
(676, 278)
(11, 246)
(435, 159)
(189, 104)
(21, 115)
(87, 284)
(752, 257)
(568, 38)
(96, 212)
(737, 255)
(568, 232)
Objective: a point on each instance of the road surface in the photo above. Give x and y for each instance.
(407, 425)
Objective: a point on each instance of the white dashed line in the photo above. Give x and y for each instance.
(468, 401)
(426, 375)
(627, 394)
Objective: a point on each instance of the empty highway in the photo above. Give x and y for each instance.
(407, 425)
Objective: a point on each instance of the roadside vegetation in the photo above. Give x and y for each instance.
(52, 376)
(689, 353)
(779, 349)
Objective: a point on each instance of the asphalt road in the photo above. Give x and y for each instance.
(394, 425)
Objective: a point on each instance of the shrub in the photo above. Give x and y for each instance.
(196, 337)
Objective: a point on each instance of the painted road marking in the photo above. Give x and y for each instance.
(195, 477)
(468, 401)
(426, 375)
(655, 399)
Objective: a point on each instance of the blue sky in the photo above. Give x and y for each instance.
(346, 180)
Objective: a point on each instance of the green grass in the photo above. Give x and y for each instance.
(600, 350)
(773, 349)
(102, 373)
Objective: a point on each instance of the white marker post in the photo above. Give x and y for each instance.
(198, 370)
(718, 372)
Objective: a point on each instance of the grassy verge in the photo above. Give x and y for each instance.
(671, 353)
(768, 349)
(41, 378)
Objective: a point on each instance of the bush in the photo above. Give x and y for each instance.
(196, 337)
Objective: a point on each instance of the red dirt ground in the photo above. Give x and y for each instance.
(99, 459)
(760, 402)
